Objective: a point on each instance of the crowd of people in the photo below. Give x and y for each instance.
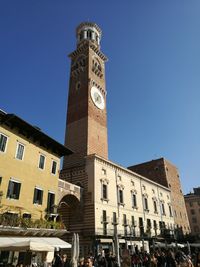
(156, 258)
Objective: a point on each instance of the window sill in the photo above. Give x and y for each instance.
(104, 199)
(135, 207)
(104, 222)
(19, 159)
(155, 212)
(146, 210)
(121, 204)
(12, 198)
(37, 204)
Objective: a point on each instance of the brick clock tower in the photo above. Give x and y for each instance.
(86, 130)
(86, 125)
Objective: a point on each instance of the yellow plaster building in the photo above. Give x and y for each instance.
(29, 168)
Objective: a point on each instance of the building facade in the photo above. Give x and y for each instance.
(29, 169)
(192, 202)
(165, 173)
(114, 199)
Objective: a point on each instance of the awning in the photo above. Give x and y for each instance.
(106, 240)
(137, 243)
(28, 245)
(54, 242)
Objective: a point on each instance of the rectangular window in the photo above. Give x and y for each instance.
(121, 198)
(13, 189)
(20, 151)
(146, 204)
(148, 224)
(104, 216)
(50, 202)
(155, 206)
(163, 208)
(134, 201)
(194, 220)
(125, 224)
(54, 167)
(124, 220)
(114, 218)
(141, 226)
(132, 221)
(170, 211)
(192, 211)
(154, 224)
(104, 191)
(104, 228)
(38, 196)
(41, 162)
(3, 142)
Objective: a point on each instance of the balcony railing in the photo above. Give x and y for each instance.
(120, 233)
(105, 219)
(101, 232)
(115, 221)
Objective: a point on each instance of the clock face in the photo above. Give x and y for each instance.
(97, 98)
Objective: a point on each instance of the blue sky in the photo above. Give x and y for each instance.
(153, 73)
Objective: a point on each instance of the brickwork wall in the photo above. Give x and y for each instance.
(153, 170)
(192, 203)
(165, 173)
(180, 216)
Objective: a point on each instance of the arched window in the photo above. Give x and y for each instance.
(89, 34)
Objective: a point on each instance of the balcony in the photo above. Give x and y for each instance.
(125, 222)
(101, 232)
(115, 221)
(105, 219)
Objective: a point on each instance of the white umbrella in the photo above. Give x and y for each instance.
(75, 250)
(116, 244)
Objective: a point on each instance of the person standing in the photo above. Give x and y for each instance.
(57, 260)
(64, 261)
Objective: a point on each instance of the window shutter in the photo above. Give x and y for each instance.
(18, 187)
(41, 198)
(34, 196)
(9, 189)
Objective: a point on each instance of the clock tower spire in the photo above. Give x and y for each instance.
(86, 124)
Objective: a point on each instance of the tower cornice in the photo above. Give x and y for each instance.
(85, 46)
